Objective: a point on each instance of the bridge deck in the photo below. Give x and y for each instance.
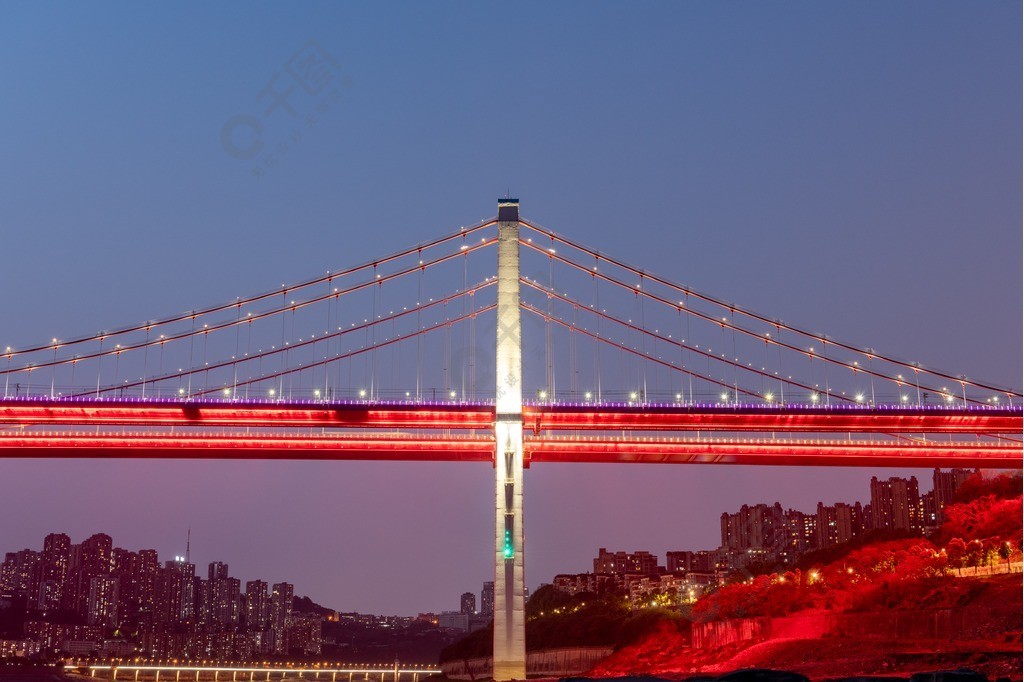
(565, 449)
(538, 418)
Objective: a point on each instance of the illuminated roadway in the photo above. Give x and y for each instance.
(885, 436)
(575, 417)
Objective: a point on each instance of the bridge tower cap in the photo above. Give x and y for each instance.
(508, 210)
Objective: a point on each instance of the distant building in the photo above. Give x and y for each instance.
(103, 601)
(945, 485)
(305, 634)
(257, 606)
(453, 620)
(280, 613)
(930, 517)
(579, 583)
(896, 504)
(487, 599)
(54, 570)
(800, 535)
(218, 570)
(625, 562)
(174, 590)
(755, 534)
(19, 574)
(838, 523)
(467, 604)
(680, 562)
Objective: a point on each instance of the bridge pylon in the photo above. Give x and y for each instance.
(509, 582)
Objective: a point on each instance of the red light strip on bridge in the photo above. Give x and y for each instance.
(774, 452)
(395, 447)
(537, 418)
(781, 419)
(399, 447)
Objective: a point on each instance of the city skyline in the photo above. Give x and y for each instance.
(951, 480)
(872, 194)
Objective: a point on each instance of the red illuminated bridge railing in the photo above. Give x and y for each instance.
(480, 448)
(537, 418)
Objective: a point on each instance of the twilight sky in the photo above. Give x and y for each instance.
(854, 168)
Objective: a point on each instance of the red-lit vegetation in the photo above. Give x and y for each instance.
(982, 528)
(982, 535)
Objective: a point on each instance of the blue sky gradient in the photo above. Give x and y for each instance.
(854, 168)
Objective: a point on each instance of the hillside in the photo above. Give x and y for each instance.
(982, 535)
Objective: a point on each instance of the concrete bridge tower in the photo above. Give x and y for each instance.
(509, 583)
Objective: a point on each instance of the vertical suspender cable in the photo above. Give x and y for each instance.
(465, 310)
(248, 352)
(824, 355)
(781, 371)
(472, 347)
(238, 348)
(53, 370)
(643, 342)
(99, 364)
(280, 378)
(597, 345)
(327, 349)
(735, 369)
(549, 378)
(373, 337)
(419, 328)
(206, 365)
(145, 363)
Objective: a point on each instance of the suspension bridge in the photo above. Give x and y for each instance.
(420, 355)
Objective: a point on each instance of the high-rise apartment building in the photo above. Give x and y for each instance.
(280, 614)
(467, 603)
(896, 504)
(103, 600)
(487, 599)
(257, 605)
(838, 523)
(54, 570)
(754, 533)
(642, 562)
(218, 570)
(174, 592)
